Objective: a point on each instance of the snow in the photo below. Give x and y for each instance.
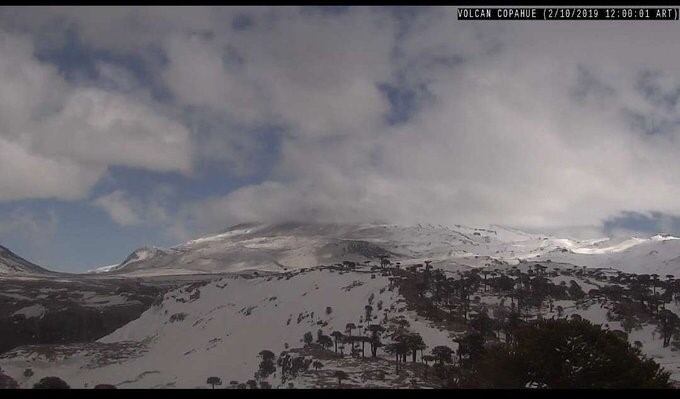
(164, 272)
(93, 299)
(661, 237)
(291, 246)
(647, 256)
(218, 327)
(187, 338)
(15, 296)
(219, 237)
(222, 331)
(104, 269)
(32, 311)
(611, 249)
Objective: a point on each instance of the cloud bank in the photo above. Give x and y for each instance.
(57, 138)
(400, 115)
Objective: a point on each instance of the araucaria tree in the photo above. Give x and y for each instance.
(51, 383)
(442, 354)
(337, 337)
(267, 366)
(415, 343)
(376, 330)
(308, 338)
(7, 382)
(668, 323)
(214, 381)
(340, 375)
(566, 354)
(398, 348)
(317, 365)
(369, 310)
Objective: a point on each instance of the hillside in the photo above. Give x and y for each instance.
(220, 327)
(291, 246)
(657, 254)
(13, 265)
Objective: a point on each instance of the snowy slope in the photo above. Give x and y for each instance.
(290, 246)
(219, 329)
(658, 254)
(136, 258)
(294, 245)
(13, 265)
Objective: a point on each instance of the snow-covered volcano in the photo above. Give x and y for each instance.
(287, 246)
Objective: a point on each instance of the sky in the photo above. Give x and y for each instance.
(123, 127)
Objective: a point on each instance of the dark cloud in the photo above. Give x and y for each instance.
(661, 94)
(589, 86)
(646, 223)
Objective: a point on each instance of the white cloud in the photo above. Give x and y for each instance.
(26, 175)
(98, 127)
(131, 209)
(32, 227)
(119, 208)
(58, 138)
(534, 125)
(505, 139)
(316, 74)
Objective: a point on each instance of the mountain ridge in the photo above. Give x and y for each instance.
(13, 264)
(293, 245)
